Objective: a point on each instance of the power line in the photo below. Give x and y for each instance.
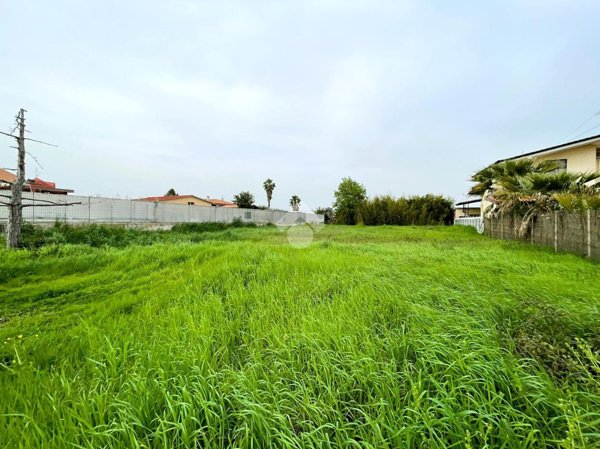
(42, 142)
(585, 122)
(587, 131)
(31, 140)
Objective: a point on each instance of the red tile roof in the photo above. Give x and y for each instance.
(41, 186)
(6, 176)
(213, 201)
(167, 198)
(223, 203)
(37, 182)
(33, 185)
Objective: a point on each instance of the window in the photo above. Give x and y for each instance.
(190, 203)
(598, 159)
(248, 215)
(562, 165)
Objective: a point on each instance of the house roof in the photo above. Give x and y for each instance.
(169, 198)
(39, 185)
(6, 176)
(464, 203)
(38, 182)
(222, 203)
(562, 146)
(32, 185)
(211, 201)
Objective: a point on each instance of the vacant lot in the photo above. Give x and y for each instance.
(370, 337)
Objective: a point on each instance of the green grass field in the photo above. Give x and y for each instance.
(369, 338)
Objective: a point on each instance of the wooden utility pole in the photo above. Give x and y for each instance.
(15, 209)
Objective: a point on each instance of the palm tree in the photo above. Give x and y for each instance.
(269, 186)
(485, 180)
(295, 203)
(540, 192)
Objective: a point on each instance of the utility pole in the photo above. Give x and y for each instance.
(15, 204)
(15, 209)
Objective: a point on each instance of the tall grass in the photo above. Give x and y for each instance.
(119, 236)
(371, 337)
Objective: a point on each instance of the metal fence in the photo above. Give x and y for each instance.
(475, 222)
(142, 213)
(564, 231)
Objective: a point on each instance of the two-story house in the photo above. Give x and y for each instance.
(578, 156)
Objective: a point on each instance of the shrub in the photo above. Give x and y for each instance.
(199, 227)
(349, 197)
(327, 213)
(244, 200)
(237, 222)
(416, 210)
(91, 235)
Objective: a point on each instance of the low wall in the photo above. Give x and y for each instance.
(578, 233)
(141, 213)
(474, 222)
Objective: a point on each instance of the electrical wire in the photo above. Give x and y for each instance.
(587, 131)
(585, 122)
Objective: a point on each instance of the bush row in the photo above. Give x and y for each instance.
(415, 210)
(118, 236)
(212, 226)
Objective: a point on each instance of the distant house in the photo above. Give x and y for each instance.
(40, 186)
(6, 179)
(470, 208)
(221, 203)
(35, 185)
(577, 156)
(191, 200)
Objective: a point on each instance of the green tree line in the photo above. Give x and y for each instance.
(415, 210)
(352, 206)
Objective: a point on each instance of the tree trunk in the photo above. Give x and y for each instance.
(15, 210)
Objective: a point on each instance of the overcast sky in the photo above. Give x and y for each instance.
(212, 98)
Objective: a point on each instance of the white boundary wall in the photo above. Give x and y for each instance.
(475, 222)
(142, 213)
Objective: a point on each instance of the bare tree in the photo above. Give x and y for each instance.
(15, 204)
(15, 207)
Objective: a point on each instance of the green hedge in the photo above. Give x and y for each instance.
(415, 210)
